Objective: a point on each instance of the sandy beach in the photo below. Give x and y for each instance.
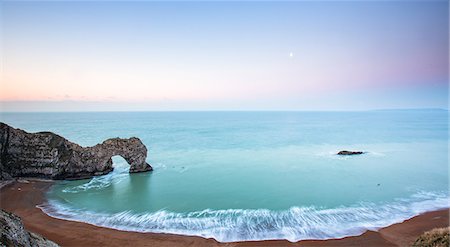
(21, 198)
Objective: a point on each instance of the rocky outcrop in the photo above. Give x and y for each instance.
(12, 233)
(345, 152)
(48, 155)
(438, 237)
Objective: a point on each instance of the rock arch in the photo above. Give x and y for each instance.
(49, 155)
(132, 150)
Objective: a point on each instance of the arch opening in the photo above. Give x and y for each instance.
(119, 164)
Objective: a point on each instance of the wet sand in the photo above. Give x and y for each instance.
(21, 198)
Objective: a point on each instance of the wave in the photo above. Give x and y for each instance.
(119, 173)
(230, 225)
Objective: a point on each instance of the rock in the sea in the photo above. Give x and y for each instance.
(48, 155)
(12, 233)
(345, 152)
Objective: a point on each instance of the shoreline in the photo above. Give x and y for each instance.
(23, 196)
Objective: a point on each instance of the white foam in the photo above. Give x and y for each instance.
(96, 183)
(294, 224)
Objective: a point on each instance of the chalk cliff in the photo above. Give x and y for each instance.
(48, 155)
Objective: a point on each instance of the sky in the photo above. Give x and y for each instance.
(215, 55)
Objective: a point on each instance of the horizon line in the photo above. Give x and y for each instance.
(246, 110)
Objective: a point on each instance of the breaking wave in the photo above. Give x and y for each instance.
(230, 225)
(119, 174)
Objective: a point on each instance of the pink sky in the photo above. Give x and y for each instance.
(133, 53)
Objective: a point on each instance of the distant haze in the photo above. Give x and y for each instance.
(305, 55)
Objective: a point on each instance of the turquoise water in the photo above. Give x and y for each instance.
(256, 175)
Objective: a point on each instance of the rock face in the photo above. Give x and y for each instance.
(48, 155)
(12, 233)
(345, 152)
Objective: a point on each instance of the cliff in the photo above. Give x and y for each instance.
(48, 155)
(12, 233)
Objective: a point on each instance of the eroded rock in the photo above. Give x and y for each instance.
(48, 155)
(13, 233)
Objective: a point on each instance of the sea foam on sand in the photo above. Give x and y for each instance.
(230, 225)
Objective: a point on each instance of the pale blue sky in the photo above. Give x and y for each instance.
(346, 55)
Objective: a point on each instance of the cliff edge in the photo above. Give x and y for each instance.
(13, 233)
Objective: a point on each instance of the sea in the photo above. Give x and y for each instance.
(238, 176)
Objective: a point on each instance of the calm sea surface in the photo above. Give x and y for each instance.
(256, 175)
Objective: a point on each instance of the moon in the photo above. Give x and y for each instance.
(291, 54)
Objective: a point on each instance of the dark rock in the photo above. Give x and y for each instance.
(345, 152)
(13, 233)
(48, 155)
